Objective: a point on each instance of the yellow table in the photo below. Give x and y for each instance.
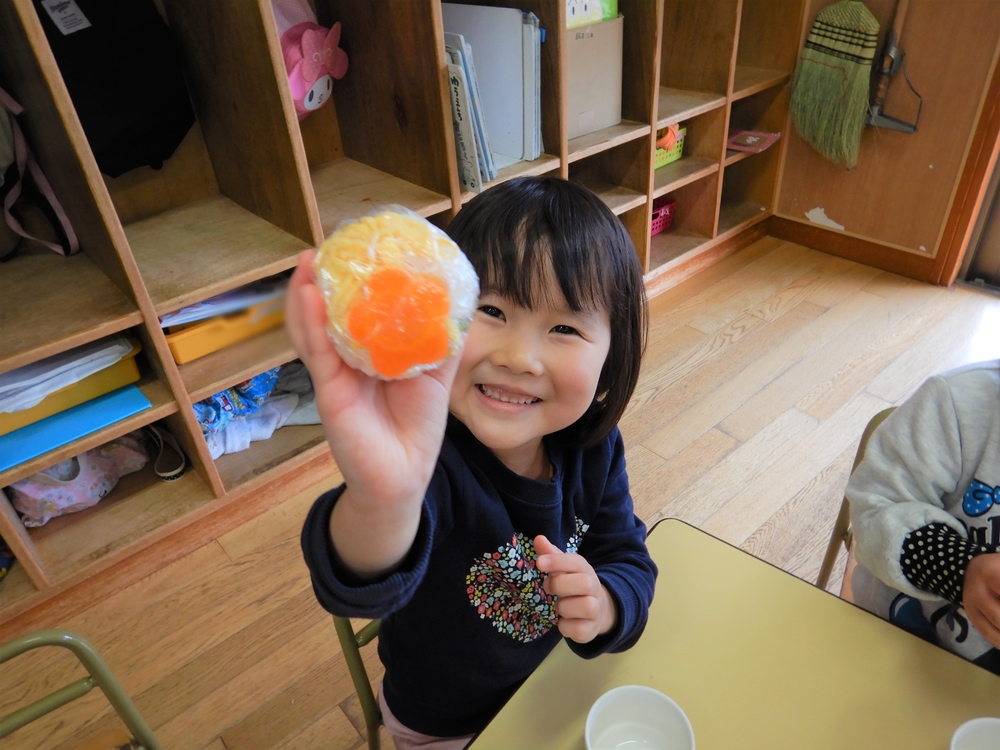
(757, 659)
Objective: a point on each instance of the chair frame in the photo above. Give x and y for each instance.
(99, 675)
(842, 532)
(351, 643)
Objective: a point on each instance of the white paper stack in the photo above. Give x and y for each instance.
(495, 94)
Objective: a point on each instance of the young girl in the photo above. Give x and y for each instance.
(925, 509)
(486, 508)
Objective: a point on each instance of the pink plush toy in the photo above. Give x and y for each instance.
(312, 57)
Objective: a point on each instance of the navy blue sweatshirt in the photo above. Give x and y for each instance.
(465, 617)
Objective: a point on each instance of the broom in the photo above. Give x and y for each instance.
(830, 91)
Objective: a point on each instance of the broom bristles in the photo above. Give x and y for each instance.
(830, 91)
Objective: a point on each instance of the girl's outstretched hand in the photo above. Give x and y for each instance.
(585, 607)
(385, 435)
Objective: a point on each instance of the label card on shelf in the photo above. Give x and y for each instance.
(52, 432)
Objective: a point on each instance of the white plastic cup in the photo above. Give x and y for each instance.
(977, 734)
(637, 717)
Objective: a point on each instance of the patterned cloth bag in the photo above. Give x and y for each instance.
(79, 482)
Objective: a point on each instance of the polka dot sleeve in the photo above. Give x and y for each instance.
(934, 558)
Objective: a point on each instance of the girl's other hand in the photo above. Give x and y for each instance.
(981, 595)
(385, 435)
(585, 607)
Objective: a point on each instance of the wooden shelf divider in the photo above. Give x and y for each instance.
(49, 304)
(542, 165)
(292, 443)
(682, 172)
(749, 80)
(348, 189)
(219, 370)
(675, 105)
(196, 251)
(737, 216)
(618, 199)
(602, 140)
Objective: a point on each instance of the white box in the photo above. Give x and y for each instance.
(594, 76)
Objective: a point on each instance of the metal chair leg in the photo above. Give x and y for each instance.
(351, 643)
(838, 538)
(99, 675)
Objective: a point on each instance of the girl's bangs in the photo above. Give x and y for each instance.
(541, 258)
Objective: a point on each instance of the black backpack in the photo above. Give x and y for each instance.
(121, 66)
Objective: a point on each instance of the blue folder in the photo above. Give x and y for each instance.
(52, 432)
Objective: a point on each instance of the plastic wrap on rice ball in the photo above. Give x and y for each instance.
(399, 293)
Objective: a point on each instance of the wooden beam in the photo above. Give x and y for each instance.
(854, 248)
(979, 165)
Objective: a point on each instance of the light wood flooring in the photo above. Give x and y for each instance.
(760, 376)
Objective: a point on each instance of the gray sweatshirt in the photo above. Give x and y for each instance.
(935, 460)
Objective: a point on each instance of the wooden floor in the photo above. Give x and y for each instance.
(760, 376)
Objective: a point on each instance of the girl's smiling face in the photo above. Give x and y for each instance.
(527, 373)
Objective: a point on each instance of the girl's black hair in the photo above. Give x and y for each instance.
(521, 232)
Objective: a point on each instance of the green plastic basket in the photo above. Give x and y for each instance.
(664, 157)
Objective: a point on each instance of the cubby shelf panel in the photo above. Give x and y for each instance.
(602, 140)
(676, 105)
(140, 504)
(196, 251)
(749, 80)
(671, 245)
(15, 586)
(294, 441)
(49, 304)
(347, 189)
(682, 172)
(733, 156)
(163, 404)
(737, 215)
(619, 199)
(234, 364)
(543, 164)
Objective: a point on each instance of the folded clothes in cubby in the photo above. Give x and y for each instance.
(256, 408)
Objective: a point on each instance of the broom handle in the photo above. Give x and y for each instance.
(891, 40)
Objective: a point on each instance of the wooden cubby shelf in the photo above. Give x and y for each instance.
(15, 586)
(749, 80)
(618, 199)
(140, 505)
(291, 445)
(733, 156)
(51, 304)
(219, 370)
(163, 404)
(251, 186)
(347, 189)
(542, 165)
(196, 251)
(602, 140)
(682, 172)
(672, 245)
(675, 105)
(736, 216)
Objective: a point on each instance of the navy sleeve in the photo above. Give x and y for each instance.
(615, 545)
(343, 594)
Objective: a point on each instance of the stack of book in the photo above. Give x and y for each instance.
(495, 94)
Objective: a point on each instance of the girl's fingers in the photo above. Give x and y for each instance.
(581, 631)
(579, 607)
(986, 627)
(571, 584)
